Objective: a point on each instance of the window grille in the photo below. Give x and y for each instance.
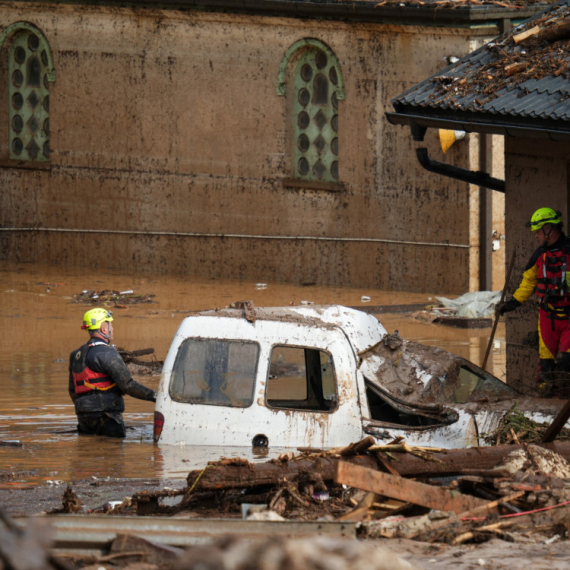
(29, 98)
(316, 144)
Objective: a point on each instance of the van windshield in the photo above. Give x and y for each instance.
(215, 372)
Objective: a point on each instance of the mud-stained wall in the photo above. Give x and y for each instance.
(166, 123)
(536, 177)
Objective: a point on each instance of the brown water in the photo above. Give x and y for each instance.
(41, 326)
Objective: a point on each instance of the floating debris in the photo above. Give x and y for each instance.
(136, 364)
(117, 298)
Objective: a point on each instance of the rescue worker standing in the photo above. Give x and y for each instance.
(547, 275)
(98, 378)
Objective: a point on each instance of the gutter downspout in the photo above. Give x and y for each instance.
(477, 178)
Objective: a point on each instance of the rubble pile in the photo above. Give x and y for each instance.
(516, 493)
(524, 489)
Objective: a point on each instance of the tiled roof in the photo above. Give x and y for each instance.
(521, 77)
(404, 12)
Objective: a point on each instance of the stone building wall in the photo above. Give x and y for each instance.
(170, 145)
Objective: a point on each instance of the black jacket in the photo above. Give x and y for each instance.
(105, 359)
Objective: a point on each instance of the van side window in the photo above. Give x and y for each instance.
(301, 379)
(215, 372)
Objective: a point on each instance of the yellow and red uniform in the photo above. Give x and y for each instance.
(547, 275)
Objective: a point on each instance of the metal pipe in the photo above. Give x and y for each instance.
(240, 236)
(485, 217)
(478, 178)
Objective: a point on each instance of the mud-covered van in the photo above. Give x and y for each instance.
(321, 377)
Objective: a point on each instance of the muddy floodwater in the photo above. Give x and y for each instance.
(41, 325)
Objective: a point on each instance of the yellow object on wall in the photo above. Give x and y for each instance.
(446, 138)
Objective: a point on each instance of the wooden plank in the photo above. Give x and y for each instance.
(523, 35)
(404, 489)
(464, 323)
(361, 510)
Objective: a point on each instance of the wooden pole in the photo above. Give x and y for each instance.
(557, 424)
(497, 316)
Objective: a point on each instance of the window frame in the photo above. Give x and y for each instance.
(285, 88)
(315, 123)
(176, 398)
(335, 400)
(48, 75)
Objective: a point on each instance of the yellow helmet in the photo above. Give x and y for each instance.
(544, 216)
(94, 318)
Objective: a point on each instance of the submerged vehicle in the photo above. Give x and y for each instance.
(321, 376)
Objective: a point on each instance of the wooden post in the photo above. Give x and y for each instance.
(503, 294)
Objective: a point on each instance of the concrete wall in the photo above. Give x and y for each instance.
(165, 122)
(536, 176)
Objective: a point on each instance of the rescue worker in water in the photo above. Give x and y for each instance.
(548, 275)
(98, 378)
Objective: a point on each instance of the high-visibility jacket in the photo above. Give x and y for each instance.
(84, 379)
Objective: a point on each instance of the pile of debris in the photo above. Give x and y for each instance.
(118, 299)
(471, 310)
(517, 488)
(516, 493)
(515, 427)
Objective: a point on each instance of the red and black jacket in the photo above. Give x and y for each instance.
(552, 272)
(97, 364)
(84, 379)
(547, 275)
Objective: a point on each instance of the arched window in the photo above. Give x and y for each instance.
(30, 70)
(318, 87)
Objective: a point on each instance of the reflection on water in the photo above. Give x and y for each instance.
(41, 326)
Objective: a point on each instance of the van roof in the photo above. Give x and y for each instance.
(362, 330)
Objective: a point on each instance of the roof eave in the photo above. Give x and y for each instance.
(346, 10)
(483, 125)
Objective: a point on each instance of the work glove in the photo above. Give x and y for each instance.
(508, 306)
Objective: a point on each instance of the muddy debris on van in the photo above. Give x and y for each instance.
(118, 299)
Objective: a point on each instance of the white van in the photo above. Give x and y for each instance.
(318, 377)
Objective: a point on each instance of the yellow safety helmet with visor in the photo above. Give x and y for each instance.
(94, 318)
(544, 216)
